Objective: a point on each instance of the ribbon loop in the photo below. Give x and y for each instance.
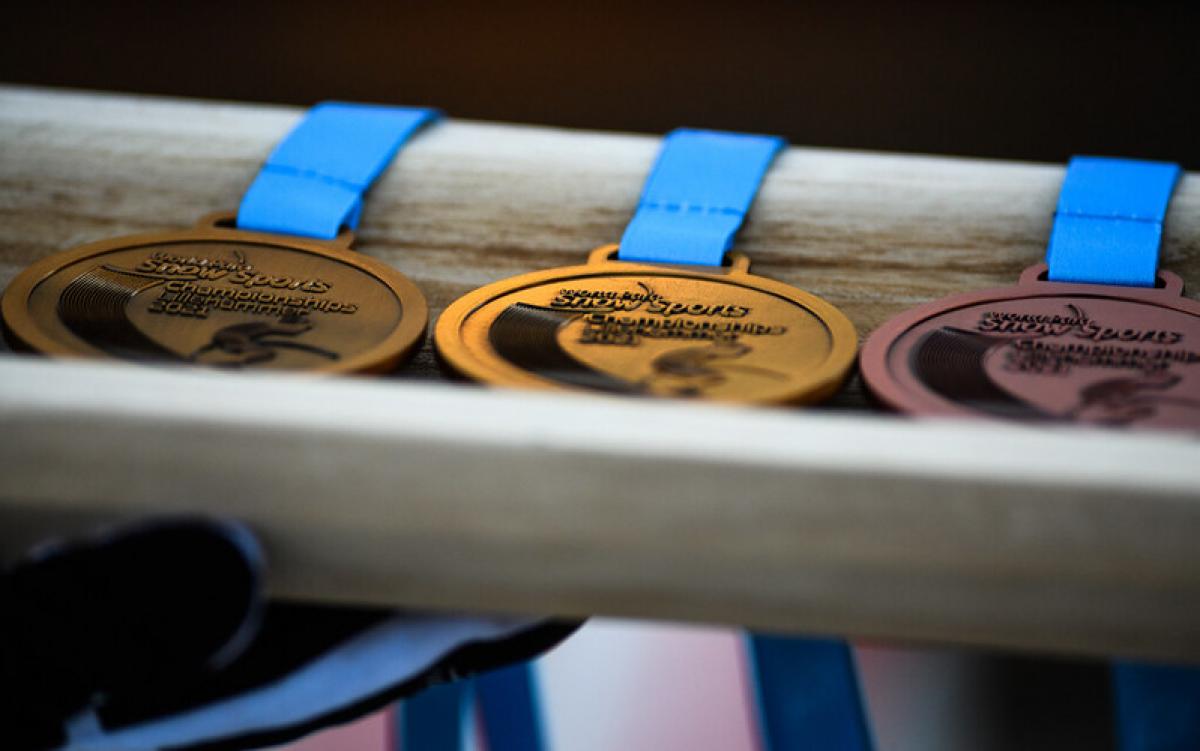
(1108, 225)
(697, 196)
(313, 182)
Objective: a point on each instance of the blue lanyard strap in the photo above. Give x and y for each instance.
(697, 196)
(808, 694)
(1108, 226)
(313, 182)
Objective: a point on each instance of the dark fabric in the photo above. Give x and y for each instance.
(149, 621)
(290, 636)
(143, 608)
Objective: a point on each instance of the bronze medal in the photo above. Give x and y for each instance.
(219, 296)
(665, 330)
(1046, 351)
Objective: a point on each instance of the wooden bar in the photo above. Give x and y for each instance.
(456, 497)
(403, 491)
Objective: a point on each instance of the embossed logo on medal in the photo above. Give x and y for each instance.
(221, 297)
(1046, 351)
(650, 329)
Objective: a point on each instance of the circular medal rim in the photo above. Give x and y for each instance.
(26, 333)
(823, 382)
(873, 358)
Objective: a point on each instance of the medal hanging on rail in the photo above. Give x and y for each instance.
(276, 287)
(1095, 335)
(660, 314)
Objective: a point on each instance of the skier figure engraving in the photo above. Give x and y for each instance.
(700, 368)
(1121, 401)
(252, 343)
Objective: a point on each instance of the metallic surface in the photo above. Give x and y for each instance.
(218, 296)
(653, 329)
(1046, 351)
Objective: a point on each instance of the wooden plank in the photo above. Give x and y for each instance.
(1071, 540)
(469, 203)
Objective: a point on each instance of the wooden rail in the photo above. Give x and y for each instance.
(401, 492)
(425, 494)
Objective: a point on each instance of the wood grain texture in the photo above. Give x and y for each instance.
(470, 203)
(1071, 540)
(420, 494)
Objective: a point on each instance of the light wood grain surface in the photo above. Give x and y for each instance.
(455, 496)
(1070, 540)
(469, 203)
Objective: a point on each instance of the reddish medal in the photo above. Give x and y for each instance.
(1045, 351)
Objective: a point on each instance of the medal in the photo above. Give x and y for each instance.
(1096, 335)
(660, 314)
(276, 287)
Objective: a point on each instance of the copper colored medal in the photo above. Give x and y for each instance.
(1046, 351)
(219, 296)
(636, 328)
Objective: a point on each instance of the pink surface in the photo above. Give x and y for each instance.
(635, 686)
(370, 733)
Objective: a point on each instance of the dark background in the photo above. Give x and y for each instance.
(1031, 80)
(1038, 81)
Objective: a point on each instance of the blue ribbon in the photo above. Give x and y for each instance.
(507, 699)
(697, 196)
(1108, 225)
(808, 695)
(510, 705)
(1158, 706)
(693, 204)
(312, 184)
(433, 719)
(1107, 230)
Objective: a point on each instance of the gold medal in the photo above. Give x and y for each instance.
(275, 286)
(219, 296)
(638, 328)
